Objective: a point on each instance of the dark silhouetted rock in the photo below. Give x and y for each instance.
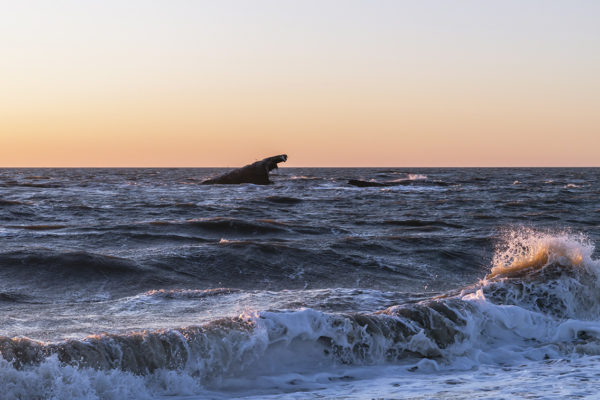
(257, 173)
(359, 183)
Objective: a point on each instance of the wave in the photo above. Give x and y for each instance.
(185, 205)
(305, 178)
(74, 262)
(226, 225)
(58, 276)
(4, 202)
(411, 177)
(38, 227)
(398, 182)
(525, 250)
(232, 227)
(574, 186)
(232, 346)
(179, 294)
(10, 184)
(417, 223)
(283, 200)
(539, 301)
(553, 274)
(11, 296)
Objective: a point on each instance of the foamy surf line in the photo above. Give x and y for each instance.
(539, 302)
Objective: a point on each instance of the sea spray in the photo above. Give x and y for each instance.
(524, 250)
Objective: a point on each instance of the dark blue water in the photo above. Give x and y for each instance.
(163, 271)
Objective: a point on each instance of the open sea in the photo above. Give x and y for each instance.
(449, 284)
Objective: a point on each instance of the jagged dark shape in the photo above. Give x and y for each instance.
(359, 183)
(257, 173)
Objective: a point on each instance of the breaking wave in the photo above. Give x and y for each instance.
(525, 250)
(539, 301)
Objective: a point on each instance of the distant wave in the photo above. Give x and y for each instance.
(47, 273)
(189, 293)
(75, 261)
(4, 202)
(9, 184)
(398, 182)
(283, 199)
(411, 177)
(232, 227)
(304, 177)
(37, 227)
(422, 223)
(573, 186)
(226, 225)
(11, 296)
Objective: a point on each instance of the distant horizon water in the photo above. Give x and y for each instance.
(308, 167)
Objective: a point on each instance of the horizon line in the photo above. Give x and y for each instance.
(286, 167)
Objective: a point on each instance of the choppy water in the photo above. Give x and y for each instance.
(453, 283)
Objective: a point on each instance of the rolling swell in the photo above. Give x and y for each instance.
(176, 294)
(11, 296)
(73, 276)
(283, 200)
(274, 265)
(38, 227)
(207, 226)
(225, 226)
(4, 202)
(76, 263)
(418, 223)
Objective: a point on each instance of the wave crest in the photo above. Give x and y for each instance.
(548, 273)
(526, 250)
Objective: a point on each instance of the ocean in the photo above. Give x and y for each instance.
(476, 283)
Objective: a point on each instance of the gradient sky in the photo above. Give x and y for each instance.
(330, 83)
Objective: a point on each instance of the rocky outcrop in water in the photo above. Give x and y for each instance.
(257, 173)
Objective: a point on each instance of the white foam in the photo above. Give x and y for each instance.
(417, 177)
(54, 380)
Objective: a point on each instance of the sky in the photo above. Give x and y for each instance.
(331, 83)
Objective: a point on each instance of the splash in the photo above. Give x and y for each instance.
(526, 250)
(571, 186)
(409, 177)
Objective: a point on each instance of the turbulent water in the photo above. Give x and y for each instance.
(445, 283)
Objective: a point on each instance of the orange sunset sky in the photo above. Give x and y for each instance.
(330, 83)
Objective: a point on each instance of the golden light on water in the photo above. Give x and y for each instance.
(526, 250)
